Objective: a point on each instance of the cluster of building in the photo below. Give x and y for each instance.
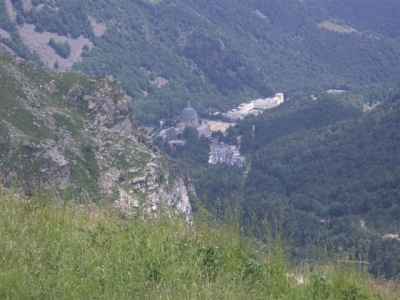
(221, 153)
(188, 118)
(254, 107)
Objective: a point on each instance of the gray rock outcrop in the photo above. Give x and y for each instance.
(84, 138)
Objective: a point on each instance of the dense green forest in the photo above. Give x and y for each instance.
(331, 174)
(219, 54)
(378, 16)
(323, 169)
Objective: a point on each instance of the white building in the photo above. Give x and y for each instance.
(267, 103)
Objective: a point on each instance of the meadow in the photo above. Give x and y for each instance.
(52, 249)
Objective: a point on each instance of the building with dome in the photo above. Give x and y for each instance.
(189, 116)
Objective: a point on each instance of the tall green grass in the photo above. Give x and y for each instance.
(52, 250)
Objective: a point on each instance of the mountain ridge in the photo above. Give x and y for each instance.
(216, 54)
(71, 131)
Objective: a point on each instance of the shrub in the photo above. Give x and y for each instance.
(62, 49)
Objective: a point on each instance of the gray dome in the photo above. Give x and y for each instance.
(188, 112)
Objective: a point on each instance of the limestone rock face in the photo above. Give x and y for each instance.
(56, 172)
(176, 197)
(72, 131)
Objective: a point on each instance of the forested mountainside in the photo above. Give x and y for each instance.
(378, 16)
(331, 175)
(215, 53)
(71, 132)
(324, 168)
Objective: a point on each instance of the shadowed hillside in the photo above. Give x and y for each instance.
(217, 54)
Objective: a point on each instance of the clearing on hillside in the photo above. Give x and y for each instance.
(335, 27)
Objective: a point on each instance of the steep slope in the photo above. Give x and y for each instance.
(53, 252)
(67, 130)
(217, 54)
(378, 16)
(336, 184)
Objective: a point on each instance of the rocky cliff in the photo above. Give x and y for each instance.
(70, 131)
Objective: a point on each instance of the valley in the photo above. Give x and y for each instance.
(320, 169)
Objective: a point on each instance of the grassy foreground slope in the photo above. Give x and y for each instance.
(53, 251)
